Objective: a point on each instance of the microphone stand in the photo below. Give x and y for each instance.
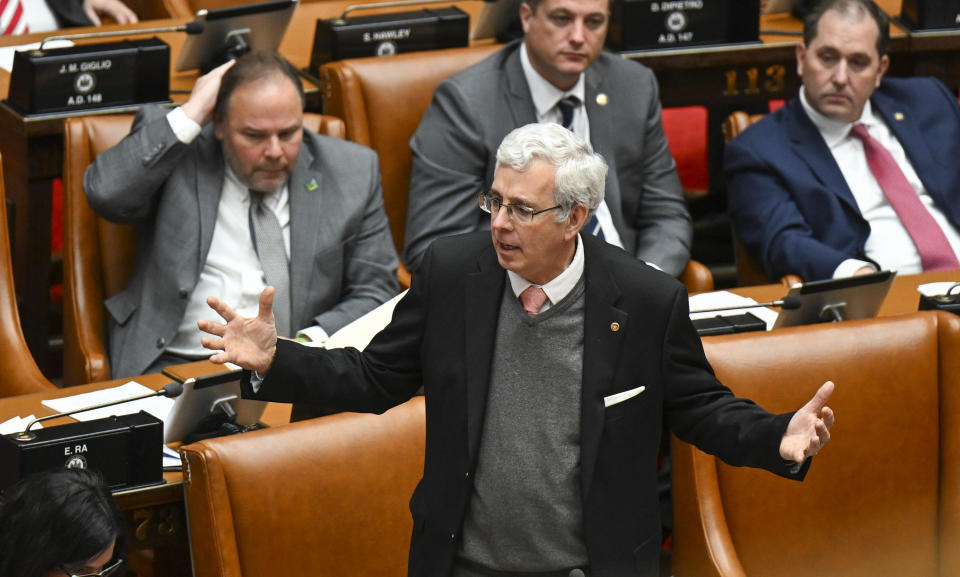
(171, 390)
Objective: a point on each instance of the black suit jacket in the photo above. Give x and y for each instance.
(637, 333)
(69, 13)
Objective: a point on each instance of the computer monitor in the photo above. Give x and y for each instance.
(844, 299)
(201, 397)
(232, 32)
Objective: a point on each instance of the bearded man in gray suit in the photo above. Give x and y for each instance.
(617, 110)
(231, 206)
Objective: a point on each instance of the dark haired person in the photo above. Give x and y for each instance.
(64, 523)
(228, 193)
(857, 173)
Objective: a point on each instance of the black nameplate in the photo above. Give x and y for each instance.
(127, 450)
(930, 14)
(90, 76)
(663, 24)
(385, 34)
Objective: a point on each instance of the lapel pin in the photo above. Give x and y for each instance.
(614, 327)
(602, 99)
(898, 115)
(312, 185)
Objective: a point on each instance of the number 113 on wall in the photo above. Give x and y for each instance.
(750, 81)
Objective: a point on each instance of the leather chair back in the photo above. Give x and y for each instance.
(382, 100)
(882, 498)
(19, 374)
(328, 496)
(98, 255)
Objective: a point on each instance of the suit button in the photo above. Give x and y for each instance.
(453, 537)
(466, 475)
(161, 342)
(184, 293)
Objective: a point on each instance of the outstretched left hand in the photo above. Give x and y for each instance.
(809, 429)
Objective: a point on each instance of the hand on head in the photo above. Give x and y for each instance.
(203, 98)
(114, 9)
(809, 429)
(250, 342)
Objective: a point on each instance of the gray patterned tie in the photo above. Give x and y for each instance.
(268, 242)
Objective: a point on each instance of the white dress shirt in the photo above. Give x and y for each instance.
(545, 98)
(559, 286)
(38, 15)
(888, 244)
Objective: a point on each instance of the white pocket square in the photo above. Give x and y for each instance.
(621, 397)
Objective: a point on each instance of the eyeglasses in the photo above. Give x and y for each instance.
(518, 213)
(105, 572)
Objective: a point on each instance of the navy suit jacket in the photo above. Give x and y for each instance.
(789, 202)
(442, 336)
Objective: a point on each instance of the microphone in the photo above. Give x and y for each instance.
(190, 28)
(789, 302)
(577, 573)
(171, 390)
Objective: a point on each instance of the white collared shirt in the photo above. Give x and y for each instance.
(559, 286)
(38, 15)
(888, 244)
(545, 97)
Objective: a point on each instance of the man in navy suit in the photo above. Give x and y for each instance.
(550, 362)
(803, 195)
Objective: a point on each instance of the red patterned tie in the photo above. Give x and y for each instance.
(12, 19)
(533, 298)
(935, 251)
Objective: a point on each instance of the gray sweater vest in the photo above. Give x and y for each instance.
(525, 513)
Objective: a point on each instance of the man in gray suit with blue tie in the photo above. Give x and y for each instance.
(558, 73)
(230, 206)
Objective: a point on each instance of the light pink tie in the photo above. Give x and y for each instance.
(12, 18)
(935, 251)
(533, 298)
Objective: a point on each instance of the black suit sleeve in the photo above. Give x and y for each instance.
(69, 13)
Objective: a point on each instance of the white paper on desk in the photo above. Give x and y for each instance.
(6, 53)
(933, 289)
(156, 406)
(360, 332)
(18, 424)
(171, 458)
(719, 299)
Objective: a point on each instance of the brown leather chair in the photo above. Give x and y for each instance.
(749, 271)
(20, 374)
(881, 499)
(328, 496)
(97, 254)
(382, 101)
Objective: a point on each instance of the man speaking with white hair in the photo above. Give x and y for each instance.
(550, 362)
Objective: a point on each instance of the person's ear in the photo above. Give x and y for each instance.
(526, 13)
(575, 221)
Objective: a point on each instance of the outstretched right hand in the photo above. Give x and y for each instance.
(203, 98)
(250, 342)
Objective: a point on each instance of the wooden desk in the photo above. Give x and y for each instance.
(902, 298)
(155, 516)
